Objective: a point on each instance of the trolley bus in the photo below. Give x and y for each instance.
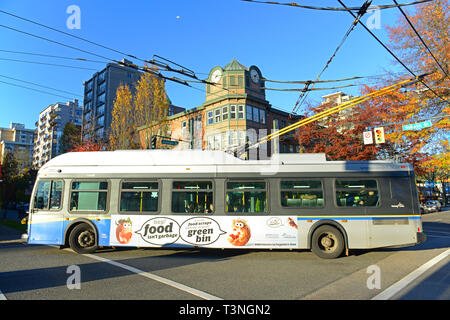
(210, 199)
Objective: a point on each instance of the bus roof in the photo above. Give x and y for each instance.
(190, 161)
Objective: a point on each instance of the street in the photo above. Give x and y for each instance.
(46, 272)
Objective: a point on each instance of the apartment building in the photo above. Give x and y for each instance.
(99, 96)
(50, 128)
(17, 140)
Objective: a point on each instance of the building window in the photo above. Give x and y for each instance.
(89, 196)
(183, 129)
(198, 124)
(102, 87)
(262, 116)
(249, 110)
(192, 197)
(101, 121)
(233, 81)
(101, 98)
(301, 193)
(241, 112)
(225, 113)
(232, 112)
(89, 86)
(139, 197)
(101, 77)
(255, 114)
(101, 110)
(99, 133)
(246, 197)
(210, 145)
(88, 106)
(356, 193)
(217, 116)
(210, 117)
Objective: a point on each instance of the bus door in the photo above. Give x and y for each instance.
(395, 226)
(46, 218)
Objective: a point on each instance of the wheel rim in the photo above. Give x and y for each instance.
(328, 242)
(86, 239)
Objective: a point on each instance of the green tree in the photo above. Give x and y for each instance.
(70, 138)
(10, 172)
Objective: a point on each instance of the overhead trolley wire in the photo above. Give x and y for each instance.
(37, 90)
(310, 89)
(293, 4)
(70, 35)
(40, 85)
(421, 39)
(185, 71)
(52, 56)
(57, 42)
(362, 10)
(47, 64)
(331, 111)
(144, 69)
(391, 53)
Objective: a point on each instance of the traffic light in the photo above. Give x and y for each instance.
(153, 142)
(379, 135)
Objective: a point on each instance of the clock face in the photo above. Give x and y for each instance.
(215, 77)
(254, 75)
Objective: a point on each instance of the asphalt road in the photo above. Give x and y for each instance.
(44, 272)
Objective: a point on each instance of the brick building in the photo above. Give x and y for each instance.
(235, 111)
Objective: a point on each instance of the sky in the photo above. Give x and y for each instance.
(286, 43)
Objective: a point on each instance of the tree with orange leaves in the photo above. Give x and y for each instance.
(87, 146)
(419, 102)
(339, 135)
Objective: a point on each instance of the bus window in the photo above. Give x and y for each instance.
(301, 193)
(356, 193)
(139, 196)
(88, 196)
(246, 197)
(48, 195)
(192, 197)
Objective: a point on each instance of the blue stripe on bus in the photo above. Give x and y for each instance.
(359, 218)
(52, 232)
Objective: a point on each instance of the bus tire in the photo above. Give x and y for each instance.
(82, 239)
(327, 242)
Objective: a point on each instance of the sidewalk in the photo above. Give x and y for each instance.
(8, 234)
(12, 214)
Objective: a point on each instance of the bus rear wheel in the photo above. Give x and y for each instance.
(82, 239)
(327, 242)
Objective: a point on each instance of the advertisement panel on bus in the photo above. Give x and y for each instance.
(217, 232)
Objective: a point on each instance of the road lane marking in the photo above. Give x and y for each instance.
(401, 284)
(11, 241)
(151, 276)
(2, 296)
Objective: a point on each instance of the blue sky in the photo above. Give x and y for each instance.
(286, 43)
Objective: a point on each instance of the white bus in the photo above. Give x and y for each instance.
(155, 198)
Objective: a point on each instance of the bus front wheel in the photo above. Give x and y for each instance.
(327, 242)
(82, 239)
